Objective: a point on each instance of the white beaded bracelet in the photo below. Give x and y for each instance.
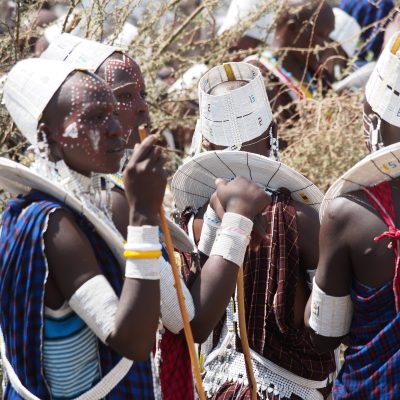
(143, 238)
(211, 223)
(232, 238)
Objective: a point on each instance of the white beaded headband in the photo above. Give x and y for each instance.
(383, 88)
(239, 115)
(82, 52)
(29, 87)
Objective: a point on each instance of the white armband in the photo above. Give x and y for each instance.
(330, 316)
(140, 239)
(96, 303)
(232, 238)
(211, 223)
(170, 311)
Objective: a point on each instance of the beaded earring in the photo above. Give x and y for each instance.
(375, 135)
(273, 145)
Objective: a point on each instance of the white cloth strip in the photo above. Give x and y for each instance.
(330, 316)
(211, 223)
(170, 311)
(97, 392)
(143, 268)
(140, 238)
(310, 277)
(96, 303)
(232, 238)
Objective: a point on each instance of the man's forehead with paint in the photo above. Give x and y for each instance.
(123, 75)
(88, 98)
(81, 116)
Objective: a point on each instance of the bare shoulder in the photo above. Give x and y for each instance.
(344, 210)
(306, 214)
(69, 254)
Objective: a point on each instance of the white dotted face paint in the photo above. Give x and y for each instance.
(126, 79)
(92, 138)
(71, 131)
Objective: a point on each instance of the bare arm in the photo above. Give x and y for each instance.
(334, 272)
(72, 262)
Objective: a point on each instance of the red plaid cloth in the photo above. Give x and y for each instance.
(381, 197)
(270, 279)
(175, 370)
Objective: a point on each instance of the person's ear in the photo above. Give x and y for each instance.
(208, 146)
(44, 133)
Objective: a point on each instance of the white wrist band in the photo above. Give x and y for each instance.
(211, 223)
(232, 238)
(143, 238)
(96, 303)
(330, 316)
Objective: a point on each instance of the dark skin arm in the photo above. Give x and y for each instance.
(308, 228)
(215, 285)
(334, 272)
(72, 260)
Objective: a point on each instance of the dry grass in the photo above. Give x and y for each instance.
(324, 141)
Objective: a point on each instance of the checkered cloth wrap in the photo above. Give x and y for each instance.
(176, 369)
(371, 369)
(271, 274)
(23, 271)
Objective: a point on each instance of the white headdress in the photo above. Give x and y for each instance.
(347, 31)
(85, 53)
(240, 10)
(383, 87)
(29, 87)
(194, 181)
(239, 115)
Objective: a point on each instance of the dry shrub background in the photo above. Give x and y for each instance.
(324, 141)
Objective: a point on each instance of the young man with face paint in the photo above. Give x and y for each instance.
(70, 119)
(69, 328)
(356, 287)
(290, 366)
(117, 69)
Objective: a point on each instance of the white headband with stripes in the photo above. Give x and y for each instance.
(239, 115)
(383, 88)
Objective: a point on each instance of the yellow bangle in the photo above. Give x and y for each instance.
(142, 254)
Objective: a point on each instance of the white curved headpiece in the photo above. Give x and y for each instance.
(383, 88)
(29, 87)
(240, 10)
(87, 54)
(347, 31)
(239, 115)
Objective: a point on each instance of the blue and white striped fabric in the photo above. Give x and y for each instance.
(70, 356)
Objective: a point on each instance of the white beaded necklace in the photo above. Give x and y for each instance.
(88, 190)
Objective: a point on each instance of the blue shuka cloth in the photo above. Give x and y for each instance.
(23, 272)
(366, 13)
(371, 368)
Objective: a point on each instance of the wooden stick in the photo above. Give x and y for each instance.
(243, 335)
(186, 324)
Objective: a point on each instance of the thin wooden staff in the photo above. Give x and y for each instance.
(243, 335)
(186, 324)
(240, 299)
